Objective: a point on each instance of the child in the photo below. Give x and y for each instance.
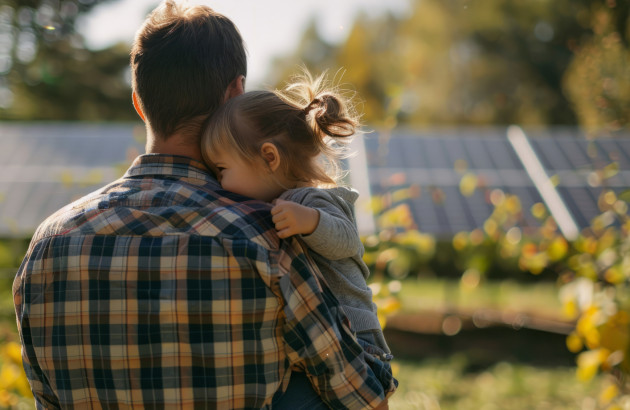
(270, 146)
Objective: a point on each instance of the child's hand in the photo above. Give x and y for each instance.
(292, 218)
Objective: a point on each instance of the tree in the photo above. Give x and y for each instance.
(597, 81)
(47, 73)
(482, 62)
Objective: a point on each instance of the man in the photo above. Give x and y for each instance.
(161, 290)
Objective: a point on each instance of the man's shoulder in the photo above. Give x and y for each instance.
(159, 207)
(70, 216)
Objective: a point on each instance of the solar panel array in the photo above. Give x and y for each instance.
(46, 166)
(436, 160)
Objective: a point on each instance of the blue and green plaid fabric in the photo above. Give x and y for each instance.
(163, 291)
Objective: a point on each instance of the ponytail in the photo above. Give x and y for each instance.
(309, 122)
(330, 116)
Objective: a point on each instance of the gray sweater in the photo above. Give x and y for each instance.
(337, 251)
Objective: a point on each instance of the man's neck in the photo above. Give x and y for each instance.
(174, 145)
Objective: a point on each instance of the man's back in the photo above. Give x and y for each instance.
(161, 290)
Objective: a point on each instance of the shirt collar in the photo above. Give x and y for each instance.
(169, 165)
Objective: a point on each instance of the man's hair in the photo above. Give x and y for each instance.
(182, 61)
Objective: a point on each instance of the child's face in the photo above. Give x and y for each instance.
(241, 177)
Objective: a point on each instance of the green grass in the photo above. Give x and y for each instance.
(441, 294)
(446, 385)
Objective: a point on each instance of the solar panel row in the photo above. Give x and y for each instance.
(45, 166)
(438, 159)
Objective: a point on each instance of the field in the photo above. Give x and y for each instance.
(446, 384)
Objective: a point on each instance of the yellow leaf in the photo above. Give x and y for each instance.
(570, 309)
(608, 394)
(557, 249)
(369, 258)
(614, 335)
(14, 352)
(611, 170)
(400, 195)
(424, 243)
(460, 241)
(382, 320)
(9, 374)
(539, 211)
(574, 343)
(614, 275)
(490, 227)
(513, 204)
(468, 184)
(588, 363)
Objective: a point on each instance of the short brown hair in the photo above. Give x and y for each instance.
(183, 60)
(309, 122)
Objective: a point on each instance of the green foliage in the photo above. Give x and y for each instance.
(593, 271)
(597, 79)
(47, 73)
(485, 62)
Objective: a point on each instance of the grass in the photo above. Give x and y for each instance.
(447, 385)
(443, 294)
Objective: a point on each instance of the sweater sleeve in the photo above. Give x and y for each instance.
(336, 236)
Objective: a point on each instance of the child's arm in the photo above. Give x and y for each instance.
(292, 218)
(325, 228)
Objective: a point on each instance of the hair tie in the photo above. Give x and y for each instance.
(316, 103)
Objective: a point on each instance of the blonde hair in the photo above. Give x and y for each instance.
(309, 124)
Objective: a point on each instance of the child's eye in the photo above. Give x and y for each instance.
(220, 169)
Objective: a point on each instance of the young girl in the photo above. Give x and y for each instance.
(278, 147)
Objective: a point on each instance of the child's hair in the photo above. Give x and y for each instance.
(309, 124)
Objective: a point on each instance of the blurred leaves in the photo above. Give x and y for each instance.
(15, 391)
(47, 73)
(484, 62)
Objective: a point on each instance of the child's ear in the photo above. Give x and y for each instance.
(271, 155)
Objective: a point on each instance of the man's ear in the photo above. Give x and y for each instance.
(236, 88)
(136, 105)
(271, 155)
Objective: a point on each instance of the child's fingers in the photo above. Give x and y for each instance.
(283, 233)
(278, 206)
(283, 224)
(278, 217)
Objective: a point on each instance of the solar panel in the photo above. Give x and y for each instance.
(564, 152)
(550, 154)
(44, 165)
(576, 151)
(454, 150)
(436, 154)
(502, 154)
(479, 157)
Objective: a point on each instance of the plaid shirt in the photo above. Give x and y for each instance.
(161, 290)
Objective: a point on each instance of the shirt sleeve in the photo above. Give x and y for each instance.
(336, 236)
(42, 391)
(319, 340)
